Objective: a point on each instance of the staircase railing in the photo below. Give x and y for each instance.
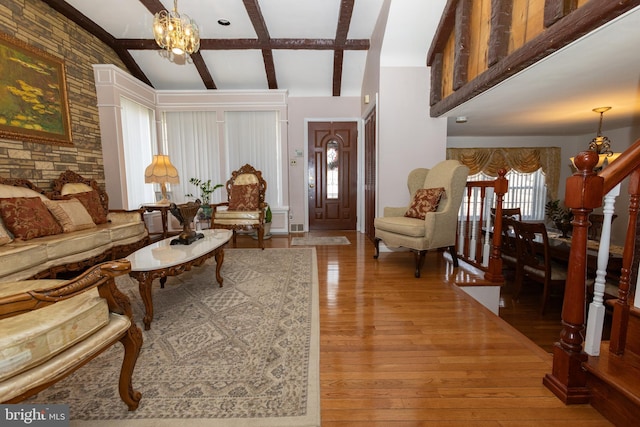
(479, 238)
(586, 190)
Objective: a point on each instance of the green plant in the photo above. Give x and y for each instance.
(206, 189)
(556, 213)
(267, 215)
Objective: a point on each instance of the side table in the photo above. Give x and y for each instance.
(164, 214)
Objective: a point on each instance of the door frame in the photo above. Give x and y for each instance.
(360, 185)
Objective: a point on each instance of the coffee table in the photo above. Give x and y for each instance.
(162, 259)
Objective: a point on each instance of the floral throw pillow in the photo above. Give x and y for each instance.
(244, 198)
(91, 202)
(425, 200)
(28, 217)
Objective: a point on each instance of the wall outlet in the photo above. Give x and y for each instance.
(293, 162)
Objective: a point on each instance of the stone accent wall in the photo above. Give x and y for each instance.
(35, 23)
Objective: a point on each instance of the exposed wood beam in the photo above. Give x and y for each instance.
(198, 61)
(461, 50)
(447, 21)
(557, 9)
(255, 14)
(87, 24)
(501, 11)
(153, 6)
(586, 18)
(344, 21)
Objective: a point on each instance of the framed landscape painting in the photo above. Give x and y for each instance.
(33, 94)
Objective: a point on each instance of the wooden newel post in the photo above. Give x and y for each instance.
(584, 192)
(494, 270)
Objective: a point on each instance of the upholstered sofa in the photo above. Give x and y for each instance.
(66, 229)
(52, 327)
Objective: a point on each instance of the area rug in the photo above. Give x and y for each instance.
(319, 241)
(246, 354)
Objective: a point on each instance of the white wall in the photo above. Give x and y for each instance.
(408, 137)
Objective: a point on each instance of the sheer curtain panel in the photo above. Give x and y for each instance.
(139, 147)
(192, 143)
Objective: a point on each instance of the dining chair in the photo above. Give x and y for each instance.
(515, 213)
(508, 246)
(596, 225)
(535, 261)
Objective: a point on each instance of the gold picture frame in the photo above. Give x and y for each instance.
(33, 94)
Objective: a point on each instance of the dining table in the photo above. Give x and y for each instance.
(560, 248)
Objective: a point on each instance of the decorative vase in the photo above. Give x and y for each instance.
(185, 213)
(564, 227)
(207, 210)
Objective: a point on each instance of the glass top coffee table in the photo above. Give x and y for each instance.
(162, 259)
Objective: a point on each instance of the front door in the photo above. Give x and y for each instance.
(333, 175)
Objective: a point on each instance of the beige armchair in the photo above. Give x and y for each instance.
(245, 208)
(403, 226)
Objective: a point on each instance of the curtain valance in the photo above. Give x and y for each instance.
(521, 159)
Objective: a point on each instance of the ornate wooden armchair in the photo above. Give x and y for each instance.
(245, 206)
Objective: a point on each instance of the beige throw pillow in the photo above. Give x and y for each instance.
(71, 214)
(5, 236)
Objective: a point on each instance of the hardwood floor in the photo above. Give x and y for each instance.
(401, 351)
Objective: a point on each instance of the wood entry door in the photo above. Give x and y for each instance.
(333, 175)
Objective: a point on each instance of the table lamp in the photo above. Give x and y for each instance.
(161, 171)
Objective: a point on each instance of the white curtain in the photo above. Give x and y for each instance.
(253, 137)
(139, 147)
(194, 149)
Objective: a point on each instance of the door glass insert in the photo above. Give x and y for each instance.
(332, 169)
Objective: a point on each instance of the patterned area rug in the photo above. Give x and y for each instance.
(319, 241)
(245, 354)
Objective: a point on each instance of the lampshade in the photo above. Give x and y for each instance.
(161, 171)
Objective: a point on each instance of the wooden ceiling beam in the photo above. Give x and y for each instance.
(255, 14)
(87, 24)
(344, 21)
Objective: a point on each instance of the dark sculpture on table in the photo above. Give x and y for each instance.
(185, 213)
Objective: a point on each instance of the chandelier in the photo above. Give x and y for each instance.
(601, 144)
(176, 33)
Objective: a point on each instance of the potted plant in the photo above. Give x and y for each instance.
(267, 224)
(206, 189)
(267, 221)
(559, 215)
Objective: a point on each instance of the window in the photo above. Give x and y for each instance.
(528, 191)
(139, 147)
(253, 137)
(191, 140)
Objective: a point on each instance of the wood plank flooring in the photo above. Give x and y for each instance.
(401, 351)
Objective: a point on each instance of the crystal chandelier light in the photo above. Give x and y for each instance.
(176, 33)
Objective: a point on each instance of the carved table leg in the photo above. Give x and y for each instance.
(219, 254)
(145, 280)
